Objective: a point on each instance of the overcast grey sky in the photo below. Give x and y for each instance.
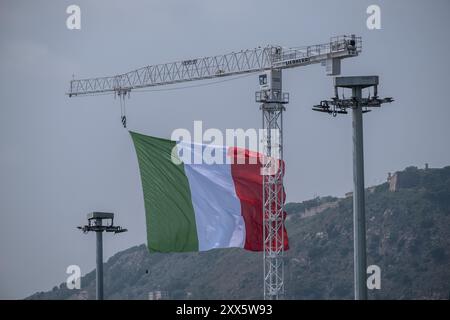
(61, 158)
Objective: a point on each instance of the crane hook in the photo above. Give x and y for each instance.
(123, 116)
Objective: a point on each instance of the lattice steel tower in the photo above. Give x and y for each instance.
(273, 99)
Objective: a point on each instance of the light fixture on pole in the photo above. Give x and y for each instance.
(95, 223)
(358, 105)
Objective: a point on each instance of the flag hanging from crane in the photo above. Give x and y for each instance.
(198, 207)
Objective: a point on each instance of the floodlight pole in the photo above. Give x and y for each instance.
(359, 219)
(358, 105)
(99, 260)
(95, 223)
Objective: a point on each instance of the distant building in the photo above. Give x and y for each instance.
(158, 295)
(411, 177)
(392, 180)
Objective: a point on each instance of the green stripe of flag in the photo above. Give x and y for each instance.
(167, 197)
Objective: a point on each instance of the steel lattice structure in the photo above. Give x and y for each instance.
(270, 58)
(273, 197)
(234, 63)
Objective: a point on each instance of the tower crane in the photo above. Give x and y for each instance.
(269, 61)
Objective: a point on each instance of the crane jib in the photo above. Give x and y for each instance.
(245, 61)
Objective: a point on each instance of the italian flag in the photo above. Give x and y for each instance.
(198, 207)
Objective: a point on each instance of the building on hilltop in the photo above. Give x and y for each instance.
(409, 178)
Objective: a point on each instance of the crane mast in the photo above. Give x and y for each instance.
(270, 61)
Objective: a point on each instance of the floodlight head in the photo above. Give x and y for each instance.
(100, 215)
(339, 105)
(85, 229)
(356, 81)
(95, 223)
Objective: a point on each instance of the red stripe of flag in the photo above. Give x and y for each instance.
(246, 172)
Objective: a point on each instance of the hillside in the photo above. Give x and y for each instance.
(408, 237)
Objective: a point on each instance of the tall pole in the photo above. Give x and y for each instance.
(356, 103)
(359, 220)
(99, 259)
(95, 223)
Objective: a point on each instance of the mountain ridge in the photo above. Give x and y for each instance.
(408, 236)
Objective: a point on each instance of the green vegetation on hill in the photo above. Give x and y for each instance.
(408, 237)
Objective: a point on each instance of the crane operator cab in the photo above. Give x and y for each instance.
(270, 84)
(270, 80)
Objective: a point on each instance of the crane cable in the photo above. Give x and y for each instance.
(175, 88)
(122, 97)
(198, 85)
(122, 94)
